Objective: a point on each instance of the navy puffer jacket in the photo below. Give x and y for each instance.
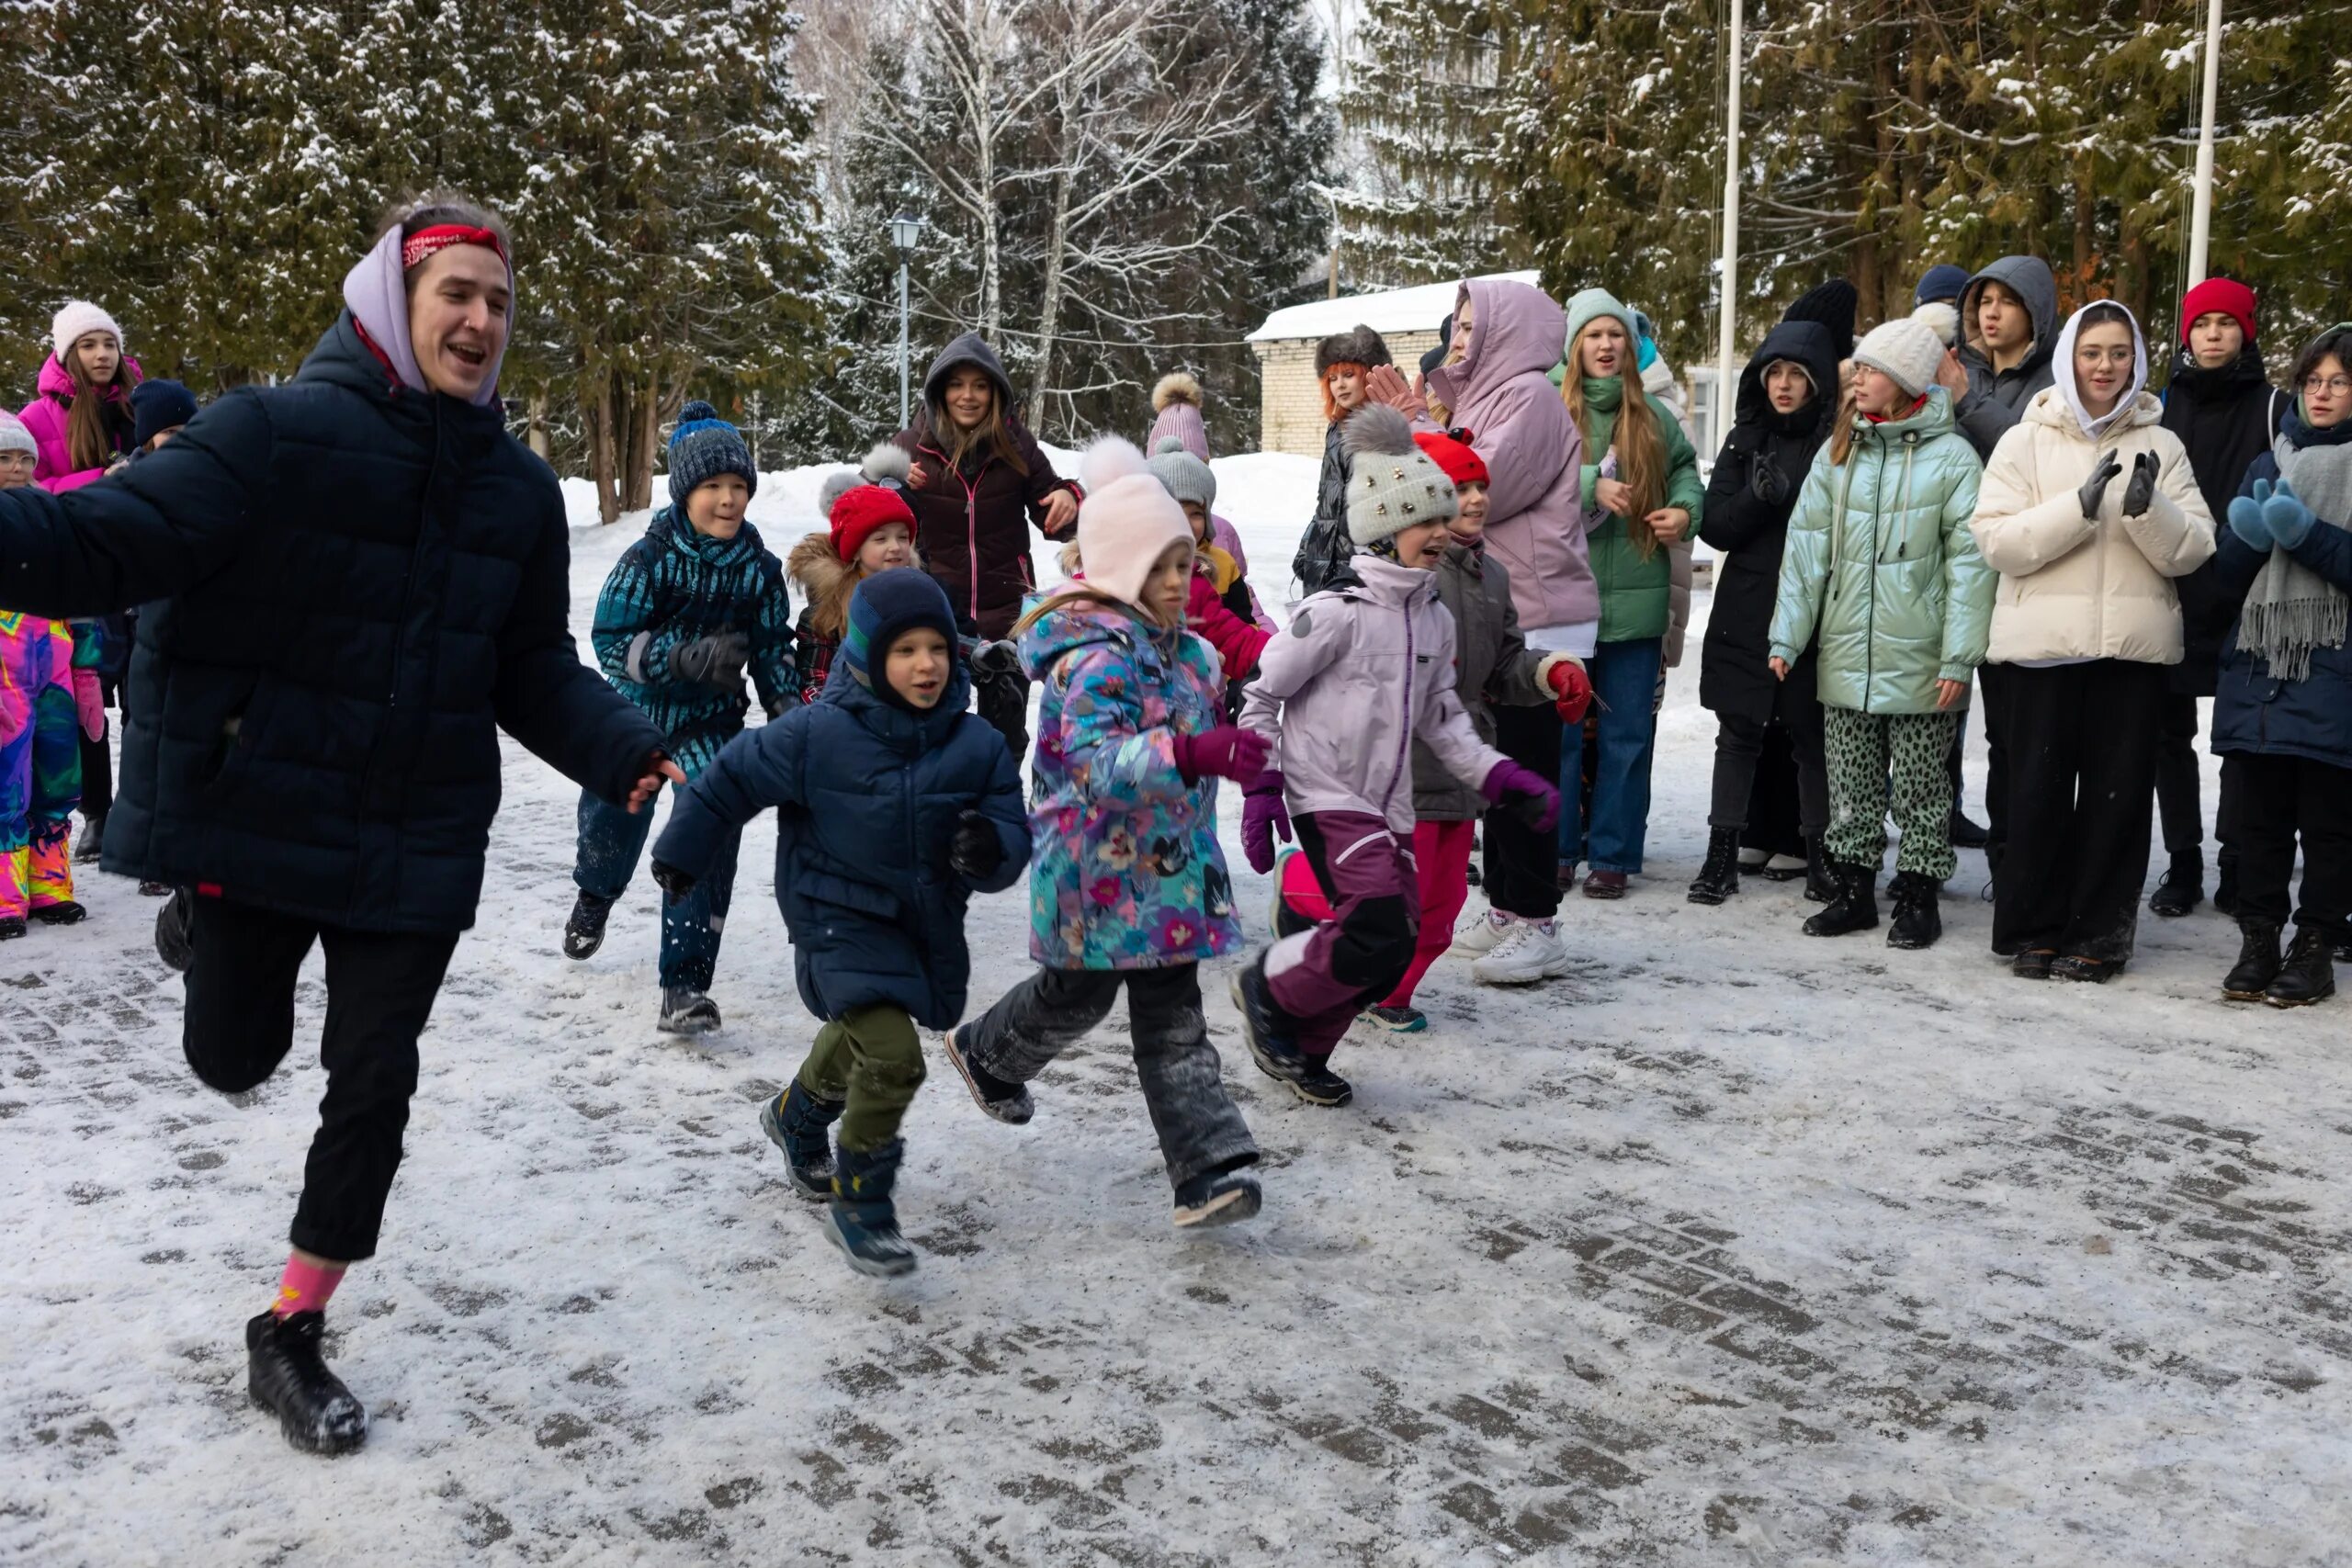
(2254, 710)
(348, 589)
(870, 795)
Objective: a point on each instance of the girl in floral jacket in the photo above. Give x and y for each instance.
(1126, 883)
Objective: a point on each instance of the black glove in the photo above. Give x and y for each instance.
(2142, 489)
(993, 661)
(675, 884)
(975, 851)
(2094, 489)
(714, 660)
(1765, 481)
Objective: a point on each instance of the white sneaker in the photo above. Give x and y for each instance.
(1753, 859)
(1479, 937)
(1530, 950)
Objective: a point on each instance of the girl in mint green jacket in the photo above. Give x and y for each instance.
(1881, 562)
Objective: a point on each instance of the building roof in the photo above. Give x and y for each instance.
(1391, 310)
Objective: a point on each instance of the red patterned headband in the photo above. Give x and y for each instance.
(431, 241)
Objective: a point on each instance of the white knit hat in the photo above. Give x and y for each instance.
(15, 437)
(79, 316)
(1906, 349)
(1392, 483)
(1942, 318)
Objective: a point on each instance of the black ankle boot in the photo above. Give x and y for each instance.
(2309, 974)
(1820, 881)
(1719, 877)
(1855, 906)
(2181, 888)
(2258, 961)
(1917, 923)
(287, 1374)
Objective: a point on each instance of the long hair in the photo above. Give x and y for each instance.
(1641, 445)
(95, 422)
(992, 435)
(1841, 434)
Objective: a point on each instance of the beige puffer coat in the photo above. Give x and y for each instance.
(2071, 588)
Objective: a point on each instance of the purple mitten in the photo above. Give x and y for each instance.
(1227, 752)
(1532, 800)
(1265, 817)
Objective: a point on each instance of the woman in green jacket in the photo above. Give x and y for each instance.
(1642, 495)
(1881, 563)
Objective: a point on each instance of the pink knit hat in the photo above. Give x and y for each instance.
(1125, 521)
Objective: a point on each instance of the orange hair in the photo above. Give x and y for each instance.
(1332, 411)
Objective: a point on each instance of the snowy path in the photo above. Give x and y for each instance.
(1734, 1246)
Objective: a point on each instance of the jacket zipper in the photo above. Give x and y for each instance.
(1404, 736)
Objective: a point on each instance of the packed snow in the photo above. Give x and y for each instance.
(1733, 1246)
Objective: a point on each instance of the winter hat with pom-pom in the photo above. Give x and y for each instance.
(1942, 318)
(1177, 401)
(1831, 305)
(857, 501)
(1452, 452)
(884, 608)
(702, 447)
(1907, 350)
(1126, 521)
(1393, 485)
(1188, 478)
(80, 317)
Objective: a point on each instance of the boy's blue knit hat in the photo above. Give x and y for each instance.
(884, 608)
(702, 447)
(1942, 281)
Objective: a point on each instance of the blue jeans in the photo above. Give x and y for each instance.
(1624, 684)
(610, 842)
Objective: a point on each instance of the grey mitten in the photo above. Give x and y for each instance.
(2094, 489)
(714, 660)
(2141, 489)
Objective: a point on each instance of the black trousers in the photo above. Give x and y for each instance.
(2081, 774)
(2178, 805)
(98, 777)
(1519, 863)
(2270, 802)
(240, 1025)
(1993, 681)
(1739, 750)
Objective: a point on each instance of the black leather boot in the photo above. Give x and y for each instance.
(1719, 877)
(2258, 961)
(1855, 906)
(2309, 974)
(1918, 922)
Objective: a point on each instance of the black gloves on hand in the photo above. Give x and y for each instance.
(992, 661)
(975, 851)
(675, 884)
(716, 660)
(1765, 481)
(2094, 489)
(2142, 489)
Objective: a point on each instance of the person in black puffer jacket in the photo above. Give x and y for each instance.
(351, 583)
(1340, 361)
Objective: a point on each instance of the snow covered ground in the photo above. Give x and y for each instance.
(1732, 1247)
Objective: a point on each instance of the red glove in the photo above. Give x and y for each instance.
(1571, 689)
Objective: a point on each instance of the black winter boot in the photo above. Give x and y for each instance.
(685, 1011)
(2258, 961)
(2309, 974)
(1820, 880)
(2181, 888)
(1265, 1028)
(1855, 906)
(285, 1373)
(1917, 923)
(1719, 877)
(12, 927)
(585, 933)
(172, 943)
(861, 1220)
(64, 912)
(87, 849)
(801, 1126)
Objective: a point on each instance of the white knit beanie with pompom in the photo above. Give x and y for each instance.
(80, 317)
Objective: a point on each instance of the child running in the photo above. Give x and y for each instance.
(897, 807)
(1364, 668)
(869, 529)
(41, 732)
(1128, 886)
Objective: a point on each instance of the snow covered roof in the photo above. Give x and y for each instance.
(1391, 310)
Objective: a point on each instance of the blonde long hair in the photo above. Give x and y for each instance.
(1641, 445)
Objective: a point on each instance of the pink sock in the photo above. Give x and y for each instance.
(306, 1287)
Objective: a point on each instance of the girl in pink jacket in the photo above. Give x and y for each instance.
(1363, 670)
(80, 418)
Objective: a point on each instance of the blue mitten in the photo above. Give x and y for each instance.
(2246, 522)
(2289, 518)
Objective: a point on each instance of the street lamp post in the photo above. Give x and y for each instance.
(903, 233)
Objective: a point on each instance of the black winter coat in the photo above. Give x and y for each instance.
(360, 585)
(2227, 417)
(1748, 531)
(2254, 710)
(1324, 549)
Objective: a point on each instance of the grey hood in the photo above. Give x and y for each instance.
(2029, 278)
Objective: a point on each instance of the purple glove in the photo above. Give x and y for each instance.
(1265, 817)
(1225, 752)
(1532, 799)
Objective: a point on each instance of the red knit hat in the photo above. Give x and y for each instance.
(1449, 450)
(860, 511)
(2226, 294)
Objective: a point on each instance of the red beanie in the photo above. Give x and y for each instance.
(1460, 464)
(2226, 294)
(860, 511)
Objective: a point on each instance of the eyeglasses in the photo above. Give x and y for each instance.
(2334, 386)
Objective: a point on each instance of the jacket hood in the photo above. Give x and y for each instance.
(1058, 633)
(2193, 381)
(56, 381)
(969, 349)
(1806, 344)
(375, 292)
(1515, 329)
(819, 573)
(2062, 370)
(345, 359)
(2027, 277)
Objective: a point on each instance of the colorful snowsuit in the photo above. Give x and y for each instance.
(40, 762)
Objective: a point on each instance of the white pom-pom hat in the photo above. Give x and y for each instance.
(77, 318)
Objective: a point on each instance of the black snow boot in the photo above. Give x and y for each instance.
(1719, 876)
(2258, 961)
(1917, 923)
(1221, 1197)
(585, 933)
(92, 841)
(1855, 906)
(2181, 888)
(685, 1011)
(172, 944)
(12, 927)
(286, 1373)
(64, 912)
(1820, 880)
(2343, 942)
(861, 1220)
(2309, 974)
(1265, 1028)
(801, 1126)
(1317, 1085)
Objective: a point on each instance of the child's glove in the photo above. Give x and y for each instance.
(994, 661)
(1532, 800)
(2290, 521)
(89, 704)
(1227, 752)
(975, 851)
(2142, 489)
(2247, 522)
(714, 660)
(675, 884)
(2094, 489)
(1264, 818)
(1571, 687)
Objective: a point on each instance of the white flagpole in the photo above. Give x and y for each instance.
(1726, 342)
(2200, 219)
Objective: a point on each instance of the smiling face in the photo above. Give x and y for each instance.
(916, 667)
(715, 507)
(16, 470)
(1786, 386)
(99, 355)
(1422, 545)
(1472, 521)
(1603, 347)
(886, 550)
(1170, 582)
(457, 305)
(2103, 360)
(969, 395)
(2214, 339)
(1198, 516)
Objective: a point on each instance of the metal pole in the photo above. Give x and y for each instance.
(2200, 210)
(902, 340)
(1727, 342)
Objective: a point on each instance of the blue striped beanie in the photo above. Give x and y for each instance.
(702, 447)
